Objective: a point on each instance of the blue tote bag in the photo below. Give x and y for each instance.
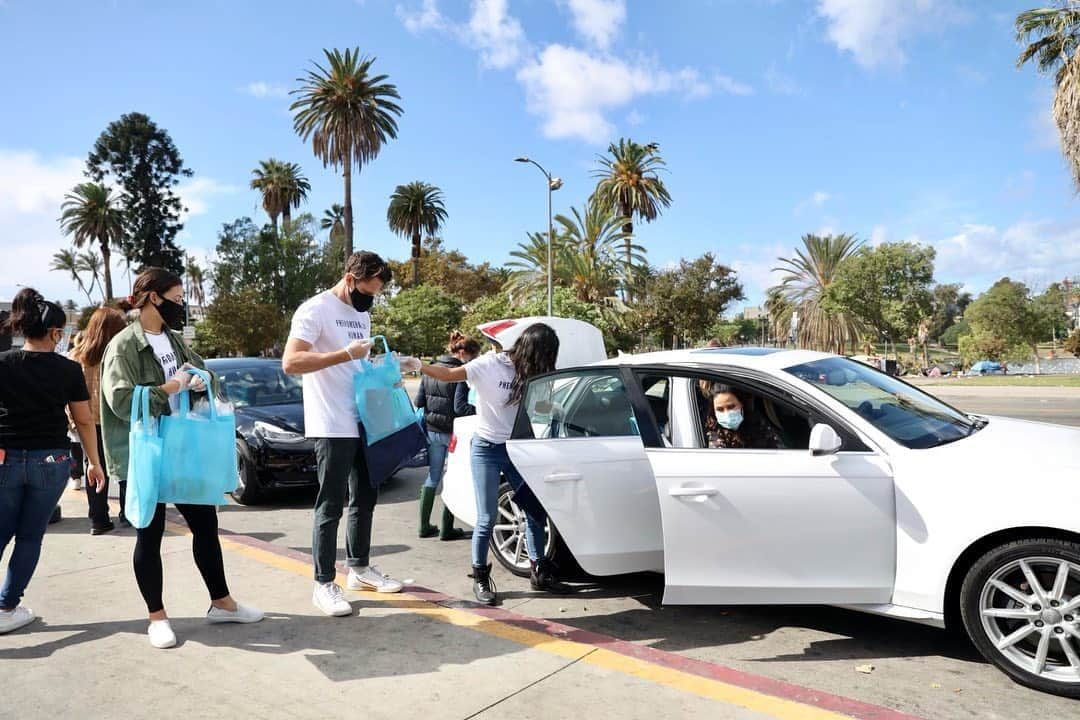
(198, 458)
(383, 406)
(144, 461)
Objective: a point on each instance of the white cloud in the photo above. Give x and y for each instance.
(878, 235)
(496, 34)
(730, 85)
(196, 194)
(781, 84)
(817, 200)
(634, 118)
(597, 21)
(980, 254)
(874, 31)
(263, 90)
(29, 184)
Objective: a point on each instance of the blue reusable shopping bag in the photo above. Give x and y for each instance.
(383, 406)
(198, 458)
(144, 461)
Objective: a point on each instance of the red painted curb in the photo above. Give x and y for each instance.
(768, 686)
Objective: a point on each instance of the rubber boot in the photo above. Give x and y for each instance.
(427, 500)
(543, 578)
(483, 587)
(448, 531)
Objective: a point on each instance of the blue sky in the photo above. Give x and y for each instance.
(892, 119)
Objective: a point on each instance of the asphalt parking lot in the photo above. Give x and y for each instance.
(410, 656)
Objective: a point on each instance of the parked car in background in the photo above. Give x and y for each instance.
(271, 450)
(986, 367)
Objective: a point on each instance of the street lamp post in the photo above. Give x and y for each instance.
(553, 184)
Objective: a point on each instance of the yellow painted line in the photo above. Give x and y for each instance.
(598, 657)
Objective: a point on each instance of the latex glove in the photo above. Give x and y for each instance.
(410, 364)
(182, 377)
(358, 349)
(196, 383)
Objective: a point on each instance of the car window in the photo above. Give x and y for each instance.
(587, 405)
(256, 385)
(767, 423)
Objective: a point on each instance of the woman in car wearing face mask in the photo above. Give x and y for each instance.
(729, 426)
(36, 385)
(150, 352)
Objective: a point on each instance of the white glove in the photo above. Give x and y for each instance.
(410, 364)
(196, 383)
(186, 380)
(358, 349)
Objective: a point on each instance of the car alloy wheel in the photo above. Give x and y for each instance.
(508, 535)
(1030, 610)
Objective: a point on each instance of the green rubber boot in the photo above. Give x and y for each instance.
(448, 531)
(427, 501)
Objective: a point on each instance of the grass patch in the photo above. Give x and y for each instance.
(1010, 381)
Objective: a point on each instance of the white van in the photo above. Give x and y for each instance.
(580, 343)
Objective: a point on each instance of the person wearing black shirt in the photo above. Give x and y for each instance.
(36, 385)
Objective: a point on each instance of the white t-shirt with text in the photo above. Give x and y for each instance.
(329, 324)
(166, 357)
(492, 376)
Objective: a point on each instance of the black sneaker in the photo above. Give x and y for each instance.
(483, 587)
(57, 516)
(543, 578)
(102, 529)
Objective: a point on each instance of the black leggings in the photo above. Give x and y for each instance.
(205, 546)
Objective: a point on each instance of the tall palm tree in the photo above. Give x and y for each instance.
(628, 182)
(67, 261)
(416, 209)
(591, 247)
(90, 214)
(283, 187)
(1053, 36)
(528, 267)
(805, 288)
(195, 287)
(90, 262)
(334, 221)
(348, 114)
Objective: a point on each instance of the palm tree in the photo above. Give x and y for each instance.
(628, 183)
(91, 215)
(195, 288)
(334, 221)
(528, 267)
(415, 209)
(1053, 36)
(348, 114)
(805, 288)
(590, 250)
(67, 261)
(90, 262)
(283, 187)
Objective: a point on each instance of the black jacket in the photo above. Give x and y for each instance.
(442, 401)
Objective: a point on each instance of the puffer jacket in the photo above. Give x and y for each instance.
(442, 401)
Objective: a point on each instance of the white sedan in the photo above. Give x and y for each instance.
(880, 497)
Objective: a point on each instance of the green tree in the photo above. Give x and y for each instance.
(1052, 36)
(283, 187)
(195, 287)
(1007, 314)
(67, 261)
(452, 271)
(983, 345)
(416, 210)
(142, 160)
(951, 337)
(90, 262)
(418, 320)
(629, 184)
(590, 244)
(240, 323)
(887, 287)
(1072, 343)
(91, 215)
(349, 114)
(333, 220)
(685, 302)
(949, 302)
(1050, 305)
(805, 290)
(528, 267)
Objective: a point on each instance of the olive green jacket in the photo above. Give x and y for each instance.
(129, 361)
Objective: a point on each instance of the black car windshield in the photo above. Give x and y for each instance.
(261, 384)
(907, 415)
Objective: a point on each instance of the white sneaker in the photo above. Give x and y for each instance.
(242, 614)
(329, 598)
(371, 578)
(161, 634)
(11, 620)
(76, 484)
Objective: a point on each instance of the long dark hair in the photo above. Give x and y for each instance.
(533, 354)
(32, 316)
(105, 324)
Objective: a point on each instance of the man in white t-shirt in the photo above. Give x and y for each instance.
(329, 334)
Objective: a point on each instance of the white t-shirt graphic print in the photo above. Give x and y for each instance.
(492, 376)
(166, 357)
(329, 324)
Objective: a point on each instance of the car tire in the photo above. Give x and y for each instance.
(247, 490)
(1030, 634)
(517, 562)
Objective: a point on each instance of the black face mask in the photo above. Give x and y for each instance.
(173, 313)
(361, 301)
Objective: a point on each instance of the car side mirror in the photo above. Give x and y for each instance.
(824, 440)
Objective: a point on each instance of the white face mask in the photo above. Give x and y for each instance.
(730, 420)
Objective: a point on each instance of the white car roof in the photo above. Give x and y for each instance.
(769, 359)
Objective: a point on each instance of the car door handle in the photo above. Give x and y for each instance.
(562, 477)
(692, 492)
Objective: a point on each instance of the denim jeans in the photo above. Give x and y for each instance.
(490, 462)
(438, 445)
(343, 476)
(31, 483)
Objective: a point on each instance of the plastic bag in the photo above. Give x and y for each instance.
(382, 404)
(198, 461)
(144, 461)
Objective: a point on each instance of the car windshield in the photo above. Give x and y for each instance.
(262, 384)
(907, 415)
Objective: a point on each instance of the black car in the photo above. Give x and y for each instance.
(271, 449)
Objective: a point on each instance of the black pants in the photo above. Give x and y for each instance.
(202, 521)
(77, 459)
(98, 502)
(343, 482)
